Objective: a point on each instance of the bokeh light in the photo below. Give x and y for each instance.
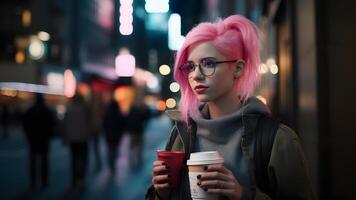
(157, 6)
(164, 70)
(263, 99)
(161, 105)
(171, 103)
(70, 83)
(174, 87)
(20, 57)
(125, 65)
(263, 69)
(36, 49)
(44, 36)
(273, 69)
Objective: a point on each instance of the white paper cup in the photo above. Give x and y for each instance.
(196, 165)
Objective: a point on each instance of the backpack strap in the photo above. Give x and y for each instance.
(259, 133)
(187, 133)
(171, 140)
(264, 136)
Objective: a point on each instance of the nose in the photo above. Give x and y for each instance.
(196, 74)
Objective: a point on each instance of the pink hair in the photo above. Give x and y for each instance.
(236, 38)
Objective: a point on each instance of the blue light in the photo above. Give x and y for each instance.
(157, 22)
(157, 6)
(175, 39)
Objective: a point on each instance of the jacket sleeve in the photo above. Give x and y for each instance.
(287, 169)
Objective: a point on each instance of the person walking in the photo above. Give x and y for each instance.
(77, 134)
(38, 123)
(97, 108)
(113, 126)
(134, 114)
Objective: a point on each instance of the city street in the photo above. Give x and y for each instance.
(127, 184)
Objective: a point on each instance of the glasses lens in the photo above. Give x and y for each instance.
(186, 68)
(208, 67)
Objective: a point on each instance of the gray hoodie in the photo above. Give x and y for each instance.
(287, 168)
(224, 135)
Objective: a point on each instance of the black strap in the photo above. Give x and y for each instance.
(263, 142)
(188, 135)
(171, 140)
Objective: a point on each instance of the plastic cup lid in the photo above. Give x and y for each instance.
(206, 157)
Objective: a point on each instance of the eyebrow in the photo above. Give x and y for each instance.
(209, 57)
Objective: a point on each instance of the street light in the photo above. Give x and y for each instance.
(125, 65)
(36, 48)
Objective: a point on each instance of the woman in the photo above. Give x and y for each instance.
(217, 69)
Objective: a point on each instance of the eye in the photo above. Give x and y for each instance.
(190, 66)
(209, 63)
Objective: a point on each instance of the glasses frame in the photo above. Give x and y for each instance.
(181, 68)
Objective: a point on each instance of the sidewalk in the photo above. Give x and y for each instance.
(126, 184)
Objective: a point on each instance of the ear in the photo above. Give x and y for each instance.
(239, 65)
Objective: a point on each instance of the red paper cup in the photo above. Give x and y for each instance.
(174, 160)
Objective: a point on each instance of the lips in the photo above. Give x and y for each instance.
(200, 89)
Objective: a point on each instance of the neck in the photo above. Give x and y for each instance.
(221, 108)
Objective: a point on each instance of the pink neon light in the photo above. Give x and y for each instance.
(70, 83)
(126, 9)
(105, 13)
(126, 29)
(126, 19)
(125, 65)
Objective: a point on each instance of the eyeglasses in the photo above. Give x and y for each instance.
(206, 66)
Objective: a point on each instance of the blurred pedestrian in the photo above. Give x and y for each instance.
(38, 124)
(113, 125)
(135, 124)
(134, 115)
(97, 108)
(77, 134)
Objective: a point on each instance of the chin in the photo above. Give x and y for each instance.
(203, 98)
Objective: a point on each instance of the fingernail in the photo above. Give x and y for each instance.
(198, 183)
(199, 176)
(206, 168)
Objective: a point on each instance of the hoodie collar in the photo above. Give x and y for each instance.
(222, 128)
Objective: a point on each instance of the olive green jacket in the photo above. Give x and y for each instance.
(287, 168)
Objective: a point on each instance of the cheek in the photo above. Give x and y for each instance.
(190, 81)
(224, 80)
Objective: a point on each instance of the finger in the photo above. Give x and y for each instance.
(159, 170)
(221, 192)
(160, 179)
(161, 186)
(216, 184)
(217, 167)
(215, 175)
(158, 163)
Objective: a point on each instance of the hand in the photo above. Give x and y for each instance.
(221, 181)
(160, 179)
